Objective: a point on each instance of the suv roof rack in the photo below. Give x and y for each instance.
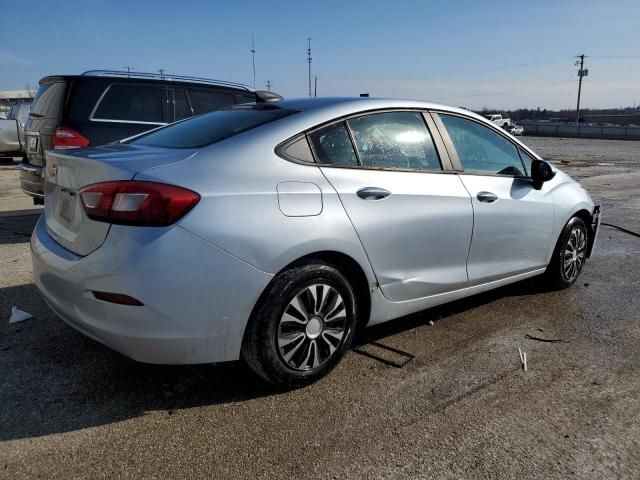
(157, 76)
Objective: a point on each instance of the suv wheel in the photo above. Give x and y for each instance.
(302, 326)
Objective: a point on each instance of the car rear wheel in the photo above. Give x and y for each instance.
(570, 254)
(302, 326)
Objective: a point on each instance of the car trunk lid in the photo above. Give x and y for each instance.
(68, 171)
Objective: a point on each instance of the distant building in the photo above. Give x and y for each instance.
(10, 97)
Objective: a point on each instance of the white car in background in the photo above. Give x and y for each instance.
(499, 120)
(516, 130)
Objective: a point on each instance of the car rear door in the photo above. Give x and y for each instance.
(410, 210)
(44, 117)
(513, 222)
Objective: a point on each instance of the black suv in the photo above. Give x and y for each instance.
(99, 107)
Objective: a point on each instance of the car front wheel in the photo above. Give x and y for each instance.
(570, 254)
(302, 326)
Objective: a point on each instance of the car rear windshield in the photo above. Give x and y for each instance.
(211, 127)
(48, 101)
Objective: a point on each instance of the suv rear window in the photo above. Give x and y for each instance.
(133, 103)
(198, 132)
(48, 101)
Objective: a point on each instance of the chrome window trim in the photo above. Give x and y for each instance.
(383, 169)
(138, 122)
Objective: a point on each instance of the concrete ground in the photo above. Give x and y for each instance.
(463, 408)
(12, 198)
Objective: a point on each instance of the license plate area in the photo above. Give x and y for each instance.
(32, 144)
(67, 205)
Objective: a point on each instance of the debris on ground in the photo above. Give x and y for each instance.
(523, 359)
(548, 340)
(18, 315)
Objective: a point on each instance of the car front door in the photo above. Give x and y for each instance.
(413, 216)
(513, 222)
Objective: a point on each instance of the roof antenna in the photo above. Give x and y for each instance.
(253, 59)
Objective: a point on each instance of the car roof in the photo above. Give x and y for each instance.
(334, 107)
(150, 77)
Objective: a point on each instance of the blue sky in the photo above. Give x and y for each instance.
(502, 54)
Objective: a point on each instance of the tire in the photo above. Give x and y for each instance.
(571, 249)
(293, 339)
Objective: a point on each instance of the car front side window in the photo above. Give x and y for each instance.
(527, 160)
(482, 150)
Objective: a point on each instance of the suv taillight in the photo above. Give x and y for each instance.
(64, 137)
(133, 202)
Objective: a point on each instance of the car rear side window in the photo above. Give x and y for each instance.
(480, 149)
(133, 103)
(333, 146)
(395, 140)
(203, 101)
(182, 108)
(203, 130)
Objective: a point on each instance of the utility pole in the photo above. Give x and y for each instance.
(253, 60)
(581, 73)
(309, 60)
(129, 68)
(315, 88)
(162, 70)
(269, 84)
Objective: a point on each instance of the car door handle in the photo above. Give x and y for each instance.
(487, 197)
(373, 193)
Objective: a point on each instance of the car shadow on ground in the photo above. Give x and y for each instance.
(17, 229)
(56, 380)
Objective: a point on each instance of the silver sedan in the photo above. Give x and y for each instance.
(272, 231)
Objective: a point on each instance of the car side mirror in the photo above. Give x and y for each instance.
(541, 172)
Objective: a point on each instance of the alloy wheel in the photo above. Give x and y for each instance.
(574, 254)
(312, 327)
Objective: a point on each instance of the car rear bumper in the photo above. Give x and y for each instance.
(196, 298)
(31, 180)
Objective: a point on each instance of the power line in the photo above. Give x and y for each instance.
(614, 56)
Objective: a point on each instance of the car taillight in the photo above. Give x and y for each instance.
(64, 137)
(133, 202)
